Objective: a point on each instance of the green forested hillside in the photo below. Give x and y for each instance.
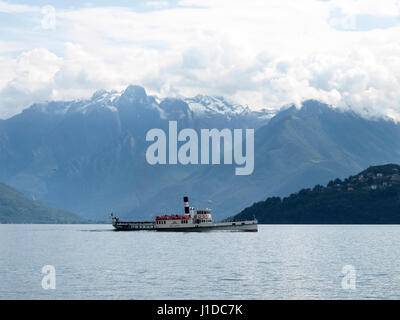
(370, 197)
(16, 208)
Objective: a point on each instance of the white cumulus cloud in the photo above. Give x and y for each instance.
(260, 53)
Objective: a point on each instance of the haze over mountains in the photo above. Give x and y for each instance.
(88, 156)
(16, 208)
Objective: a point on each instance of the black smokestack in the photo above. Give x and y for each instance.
(186, 201)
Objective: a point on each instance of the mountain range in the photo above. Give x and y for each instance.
(88, 156)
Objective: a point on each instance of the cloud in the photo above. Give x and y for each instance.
(264, 54)
(372, 7)
(32, 78)
(195, 3)
(6, 7)
(157, 4)
(9, 46)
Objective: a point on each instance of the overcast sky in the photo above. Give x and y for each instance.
(263, 53)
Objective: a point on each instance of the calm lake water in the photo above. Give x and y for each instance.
(278, 262)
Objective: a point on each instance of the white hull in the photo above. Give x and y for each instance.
(247, 226)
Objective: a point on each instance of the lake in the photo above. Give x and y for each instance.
(278, 262)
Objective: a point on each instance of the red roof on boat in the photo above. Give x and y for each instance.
(173, 217)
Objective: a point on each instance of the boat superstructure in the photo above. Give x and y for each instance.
(191, 220)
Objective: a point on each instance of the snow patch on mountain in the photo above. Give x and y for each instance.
(215, 105)
(200, 105)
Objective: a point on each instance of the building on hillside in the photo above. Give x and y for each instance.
(395, 178)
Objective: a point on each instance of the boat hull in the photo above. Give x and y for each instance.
(243, 226)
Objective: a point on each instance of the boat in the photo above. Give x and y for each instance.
(191, 221)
